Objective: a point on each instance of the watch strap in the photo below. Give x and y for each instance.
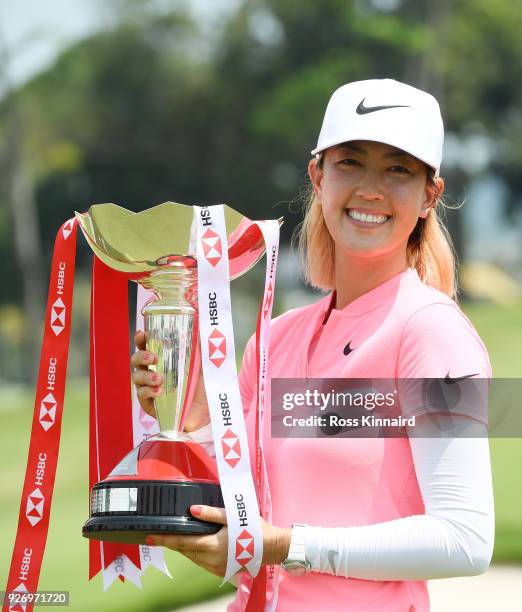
(296, 555)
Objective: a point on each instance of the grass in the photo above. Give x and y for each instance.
(500, 327)
(65, 564)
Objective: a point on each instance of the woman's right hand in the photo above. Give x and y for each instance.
(149, 386)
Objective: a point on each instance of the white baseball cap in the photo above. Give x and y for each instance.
(387, 111)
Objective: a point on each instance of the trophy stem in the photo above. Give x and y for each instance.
(169, 324)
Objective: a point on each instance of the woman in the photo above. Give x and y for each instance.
(377, 516)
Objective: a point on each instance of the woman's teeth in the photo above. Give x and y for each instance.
(367, 218)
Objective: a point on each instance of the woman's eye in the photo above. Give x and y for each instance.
(348, 161)
(400, 169)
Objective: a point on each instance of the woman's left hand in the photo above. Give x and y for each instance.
(211, 551)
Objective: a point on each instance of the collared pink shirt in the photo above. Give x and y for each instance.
(400, 329)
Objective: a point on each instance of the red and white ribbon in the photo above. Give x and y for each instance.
(245, 540)
(110, 412)
(264, 588)
(110, 427)
(35, 505)
(113, 410)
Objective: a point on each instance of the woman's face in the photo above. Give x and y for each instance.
(362, 178)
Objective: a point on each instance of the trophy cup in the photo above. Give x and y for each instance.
(153, 487)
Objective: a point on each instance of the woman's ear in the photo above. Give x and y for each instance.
(316, 176)
(434, 190)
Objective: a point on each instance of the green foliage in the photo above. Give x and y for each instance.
(133, 116)
(158, 108)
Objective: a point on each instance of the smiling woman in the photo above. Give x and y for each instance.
(363, 523)
(388, 194)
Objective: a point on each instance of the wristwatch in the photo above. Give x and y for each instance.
(296, 562)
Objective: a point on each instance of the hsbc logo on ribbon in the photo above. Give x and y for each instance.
(270, 289)
(268, 300)
(211, 243)
(244, 547)
(58, 316)
(231, 448)
(217, 347)
(19, 606)
(47, 411)
(34, 507)
(67, 228)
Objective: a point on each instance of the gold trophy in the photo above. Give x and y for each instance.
(153, 487)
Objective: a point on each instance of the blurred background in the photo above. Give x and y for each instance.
(141, 101)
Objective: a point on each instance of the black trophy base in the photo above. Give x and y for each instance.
(127, 511)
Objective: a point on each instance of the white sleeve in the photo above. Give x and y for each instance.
(453, 538)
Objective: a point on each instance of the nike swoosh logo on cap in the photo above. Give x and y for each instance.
(364, 110)
(451, 381)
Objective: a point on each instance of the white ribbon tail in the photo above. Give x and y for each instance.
(121, 566)
(153, 556)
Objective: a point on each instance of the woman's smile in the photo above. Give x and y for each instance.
(366, 219)
(372, 196)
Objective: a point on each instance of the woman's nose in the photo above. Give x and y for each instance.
(369, 188)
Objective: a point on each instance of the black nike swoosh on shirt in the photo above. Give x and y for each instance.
(364, 110)
(348, 349)
(451, 381)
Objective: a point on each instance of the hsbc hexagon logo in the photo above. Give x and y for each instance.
(67, 228)
(47, 411)
(268, 300)
(19, 606)
(34, 507)
(231, 448)
(217, 347)
(244, 547)
(212, 249)
(58, 316)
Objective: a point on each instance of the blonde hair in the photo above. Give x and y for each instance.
(429, 249)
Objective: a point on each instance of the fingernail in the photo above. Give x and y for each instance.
(195, 510)
(149, 540)
(155, 378)
(147, 357)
